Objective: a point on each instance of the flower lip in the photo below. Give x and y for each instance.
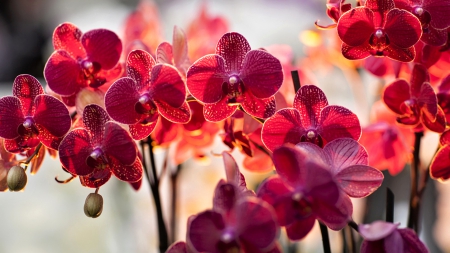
(227, 236)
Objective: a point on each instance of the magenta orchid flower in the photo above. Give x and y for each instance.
(348, 162)
(235, 76)
(415, 102)
(30, 117)
(384, 237)
(100, 149)
(335, 9)
(440, 165)
(150, 90)
(80, 61)
(304, 190)
(379, 29)
(311, 120)
(433, 16)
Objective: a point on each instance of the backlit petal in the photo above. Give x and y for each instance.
(309, 101)
(74, 149)
(139, 66)
(284, 126)
(167, 85)
(67, 37)
(356, 26)
(402, 28)
(62, 73)
(102, 46)
(232, 47)
(52, 114)
(26, 88)
(11, 117)
(121, 99)
(218, 111)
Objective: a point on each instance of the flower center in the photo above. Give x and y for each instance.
(418, 11)
(28, 123)
(379, 33)
(145, 105)
(311, 134)
(97, 159)
(90, 70)
(234, 89)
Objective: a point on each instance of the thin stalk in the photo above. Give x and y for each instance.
(296, 80)
(389, 205)
(173, 213)
(413, 201)
(325, 238)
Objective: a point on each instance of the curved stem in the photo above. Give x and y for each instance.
(414, 199)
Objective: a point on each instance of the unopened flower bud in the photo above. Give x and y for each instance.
(16, 179)
(93, 206)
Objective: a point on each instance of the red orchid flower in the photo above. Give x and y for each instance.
(388, 144)
(384, 237)
(379, 29)
(443, 96)
(80, 61)
(30, 117)
(175, 54)
(302, 191)
(440, 165)
(149, 91)
(311, 119)
(415, 102)
(100, 149)
(348, 162)
(433, 15)
(235, 76)
(233, 138)
(227, 227)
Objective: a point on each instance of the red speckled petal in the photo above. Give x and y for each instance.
(232, 47)
(63, 73)
(284, 126)
(139, 131)
(204, 231)
(74, 149)
(261, 73)
(300, 228)
(26, 88)
(179, 115)
(165, 132)
(356, 53)
(439, 11)
(338, 122)
(356, 26)
(164, 53)
(139, 66)
(309, 101)
(402, 28)
(52, 114)
(445, 138)
(102, 46)
(418, 77)
(400, 54)
(11, 117)
(440, 165)
(380, 6)
(428, 101)
(180, 48)
(234, 176)
(121, 99)
(396, 94)
(119, 144)
(96, 179)
(128, 173)
(359, 181)
(435, 124)
(205, 78)
(67, 37)
(167, 85)
(94, 119)
(434, 37)
(48, 139)
(344, 152)
(21, 145)
(258, 107)
(218, 111)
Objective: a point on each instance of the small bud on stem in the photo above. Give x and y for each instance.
(16, 179)
(93, 206)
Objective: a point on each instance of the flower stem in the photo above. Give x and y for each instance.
(325, 238)
(414, 198)
(296, 80)
(154, 187)
(173, 213)
(389, 205)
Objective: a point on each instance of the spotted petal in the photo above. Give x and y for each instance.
(258, 107)
(309, 101)
(395, 94)
(218, 111)
(356, 26)
(232, 47)
(139, 65)
(26, 88)
(52, 114)
(67, 37)
(128, 173)
(74, 149)
(179, 115)
(119, 144)
(167, 85)
(284, 126)
(102, 46)
(11, 117)
(402, 28)
(439, 11)
(94, 119)
(121, 99)
(62, 73)
(338, 122)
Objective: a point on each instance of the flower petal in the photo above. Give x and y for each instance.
(178, 247)
(218, 111)
(67, 37)
(52, 114)
(400, 54)
(434, 37)
(232, 47)
(419, 76)
(48, 139)
(139, 131)
(356, 53)
(258, 107)
(356, 26)
(411, 241)
(234, 176)
(284, 126)
(165, 132)
(289, 163)
(261, 73)
(121, 99)
(102, 46)
(74, 149)
(204, 231)
(402, 28)
(344, 152)
(139, 65)
(359, 181)
(380, 6)
(127, 173)
(205, 78)
(179, 115)
(11, 117)
(119, 144)
(439, 13)
(26, 88)
(300, 228)
(428, 101)
(96, 179)
(164, 53)
(62, 73)
(396, 94)
(377, 230)
(440, 165)
(180, 49)
(167, 85)
(435, 124)
(393, 243)
(338, 122)
(310, 101)
(94, 119)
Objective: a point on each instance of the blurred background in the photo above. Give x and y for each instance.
(48, 217)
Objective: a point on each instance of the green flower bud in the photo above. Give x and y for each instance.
(16, 179)
(93, 206)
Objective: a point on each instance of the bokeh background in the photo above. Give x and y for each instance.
(48, 217)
